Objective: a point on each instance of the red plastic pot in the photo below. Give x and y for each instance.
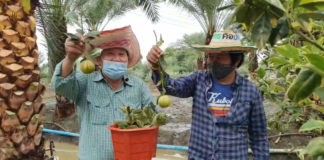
(134, 144)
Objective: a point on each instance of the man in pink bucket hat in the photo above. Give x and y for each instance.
(227, 112)
(100, 95)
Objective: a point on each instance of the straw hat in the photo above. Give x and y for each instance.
(225, 41)
(120, 38)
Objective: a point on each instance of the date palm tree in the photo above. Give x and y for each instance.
(207, 14)
(20, 101)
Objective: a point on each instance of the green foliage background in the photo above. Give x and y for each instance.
(181, 59)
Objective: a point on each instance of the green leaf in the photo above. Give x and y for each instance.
(139, 118)
(276, 3)
(95, 52)
(129, 109)
(289, 51)
(73, 37)
(139, 123)
(284, 70)
(284, 27)
(124, 109)
(315, 69)
(159, 119)
(137, 111)
(312, 5)
(261, 72)
(132, 127)
(296, 3)
(318, 107)
(280, 32)
(305, 50)
(226, 7)
(316, 60)
(304, 85)
(311, 125)
(26, 5)
(303, 2)
(241, 13)
(315, 147)
(320, 92)
(276, 88)
(122, 124)
(93, 34)
(277, 61)
(319, 15)
(261, 30)
(149, 113)
(321, 39)
(88, 39)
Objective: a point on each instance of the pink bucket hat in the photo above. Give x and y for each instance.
(120, 38)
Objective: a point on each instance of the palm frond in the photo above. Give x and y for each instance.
(52, 25)
(206, 12)
(95, 14)
(150, 7)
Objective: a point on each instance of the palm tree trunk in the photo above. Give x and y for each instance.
(21, 105)
(202, 62)
(64, 107)
(209, 35)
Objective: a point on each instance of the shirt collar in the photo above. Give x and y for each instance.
(238, 79)
(126, 79)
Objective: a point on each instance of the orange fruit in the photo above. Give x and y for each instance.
(164, 101)
(87, 66)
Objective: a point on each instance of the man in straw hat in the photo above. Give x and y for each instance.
(227, 108)
(100, 95)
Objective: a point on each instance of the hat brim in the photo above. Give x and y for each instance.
(120, 38)
(206, 48)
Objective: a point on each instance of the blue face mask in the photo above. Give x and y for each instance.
(114, 70)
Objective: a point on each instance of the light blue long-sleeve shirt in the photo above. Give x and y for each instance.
(98, 106)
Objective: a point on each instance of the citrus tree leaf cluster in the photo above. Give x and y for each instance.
(141, 118)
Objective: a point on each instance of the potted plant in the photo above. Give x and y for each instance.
(135, 138)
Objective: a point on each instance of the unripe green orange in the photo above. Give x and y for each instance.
(87, 67)
(164, 101)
